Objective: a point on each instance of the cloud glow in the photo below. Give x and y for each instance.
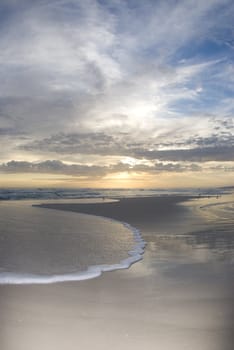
(119, 87)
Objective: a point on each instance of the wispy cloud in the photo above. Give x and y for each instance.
(150, 80)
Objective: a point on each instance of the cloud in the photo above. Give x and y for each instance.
(147, 79)
(158, 167)
(93, 171)
(204, 154)
(51, 167)
(223, 167)
(217, 147)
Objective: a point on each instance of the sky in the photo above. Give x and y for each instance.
(116, 93)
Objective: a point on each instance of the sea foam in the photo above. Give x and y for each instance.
(93, 271)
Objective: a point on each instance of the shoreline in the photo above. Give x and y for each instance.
(132, 210)
(180, 296)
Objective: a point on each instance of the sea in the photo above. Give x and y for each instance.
(39, 245)
(65, 193)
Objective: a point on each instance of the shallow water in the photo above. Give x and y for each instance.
(41, 245)
(179, 297)
(188, 274)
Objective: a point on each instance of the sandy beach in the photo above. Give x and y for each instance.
(180, 296)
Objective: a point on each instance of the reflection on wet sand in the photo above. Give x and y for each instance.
(196, 262)
(179, 297)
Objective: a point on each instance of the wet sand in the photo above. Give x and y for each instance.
(180, 296)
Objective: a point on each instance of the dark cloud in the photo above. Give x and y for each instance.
(225, 168)
(58, 167)
(158, 167)
(221, 139)
(194, 149)
(53, 167)
(9, 131)
(76, 143)
(205, 154)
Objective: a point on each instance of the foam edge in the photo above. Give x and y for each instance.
(93, 271)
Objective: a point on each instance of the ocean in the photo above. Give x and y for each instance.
(41, 245)
(65, 193)
(45, 246)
